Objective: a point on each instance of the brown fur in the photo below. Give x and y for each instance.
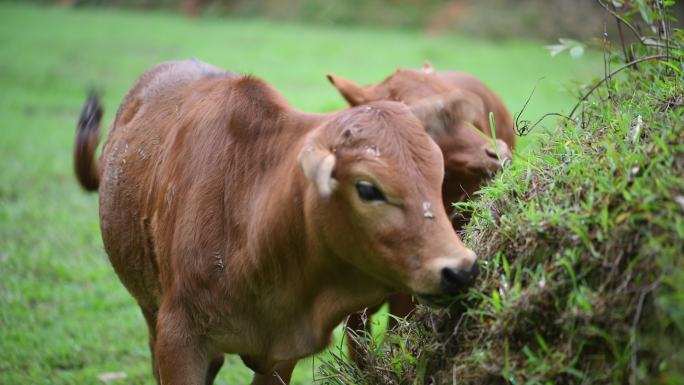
(454, 107)
(234, 220)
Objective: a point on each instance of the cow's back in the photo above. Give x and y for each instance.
(138, 163)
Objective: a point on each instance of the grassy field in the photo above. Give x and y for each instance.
(64, 317)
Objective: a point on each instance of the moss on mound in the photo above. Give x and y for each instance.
(582, 245)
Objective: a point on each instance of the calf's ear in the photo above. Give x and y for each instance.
(352, 92)
(318, 163)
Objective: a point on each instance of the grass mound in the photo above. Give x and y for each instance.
(582, 243)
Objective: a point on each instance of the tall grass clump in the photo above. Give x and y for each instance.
(581, 243)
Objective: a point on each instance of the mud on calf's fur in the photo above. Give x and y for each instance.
(241, 225)
(454, 108)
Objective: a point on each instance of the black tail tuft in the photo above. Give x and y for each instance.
(87, 138)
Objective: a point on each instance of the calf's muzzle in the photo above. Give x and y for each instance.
(455, 279)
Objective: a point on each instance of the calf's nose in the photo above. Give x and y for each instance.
(454, 280)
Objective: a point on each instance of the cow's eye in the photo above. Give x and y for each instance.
(369, 193)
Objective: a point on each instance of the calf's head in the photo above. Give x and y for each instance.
(455, 118)
(374, 200)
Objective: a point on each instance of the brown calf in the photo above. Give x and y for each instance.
(241, 225)
(454, 107)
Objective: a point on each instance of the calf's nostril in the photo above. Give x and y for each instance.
(454, 280)
(491, 152)
(501, 154)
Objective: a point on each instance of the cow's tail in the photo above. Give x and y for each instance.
(87, 138)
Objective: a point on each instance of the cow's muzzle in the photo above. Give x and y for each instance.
(457, 280)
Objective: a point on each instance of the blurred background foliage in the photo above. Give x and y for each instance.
(541, 19)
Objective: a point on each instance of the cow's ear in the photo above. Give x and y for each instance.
(318, 163)
(440, 113)
(352, 92)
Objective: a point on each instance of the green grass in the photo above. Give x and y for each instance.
(64, 317)
(581, 242)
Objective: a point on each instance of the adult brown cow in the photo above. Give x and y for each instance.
(454, 107)
(241, 225)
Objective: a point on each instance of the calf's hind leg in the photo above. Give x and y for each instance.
(179, 354)
(151, 320)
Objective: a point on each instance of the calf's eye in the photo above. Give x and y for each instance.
(369, 193)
